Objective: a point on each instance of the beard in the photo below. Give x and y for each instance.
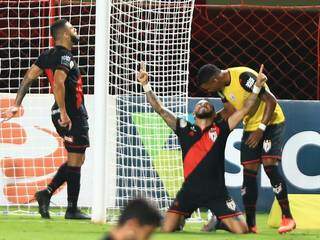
(204, 115)
(75, 39)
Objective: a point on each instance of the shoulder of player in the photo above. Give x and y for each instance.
(45, 53)
(61, 52)
(222, 124)
(183, 123)
(247, 80)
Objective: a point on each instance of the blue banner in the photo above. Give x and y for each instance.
(300, 163)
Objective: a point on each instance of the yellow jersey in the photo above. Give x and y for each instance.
(239, 89)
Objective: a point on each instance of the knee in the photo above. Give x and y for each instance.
(269, 162)
(252, 166)
(241, 229)
(167, 229)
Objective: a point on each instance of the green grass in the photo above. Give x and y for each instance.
(34, 228)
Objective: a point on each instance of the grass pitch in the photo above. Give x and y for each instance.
(34, 228)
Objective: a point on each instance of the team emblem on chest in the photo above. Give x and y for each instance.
(213, 135)
(232, 97)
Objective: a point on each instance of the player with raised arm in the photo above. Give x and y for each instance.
(69, 114)
(262, 137)
(203, 147)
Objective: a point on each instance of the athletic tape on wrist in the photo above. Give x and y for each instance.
(262, 126)
(256, 90)
(147, 87)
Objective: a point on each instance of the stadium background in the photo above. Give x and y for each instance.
(267, 34)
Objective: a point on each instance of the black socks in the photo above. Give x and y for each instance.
(249, 194)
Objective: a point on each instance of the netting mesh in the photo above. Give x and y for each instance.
(25, 34)
(30, 149)
(148, 154)
(284, 39)
(157, 32)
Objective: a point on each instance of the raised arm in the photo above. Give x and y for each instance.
(32, 74)
(154, 101)
(238, 115)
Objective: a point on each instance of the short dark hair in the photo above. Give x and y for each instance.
(56, 26)
(206, 72)
(143, 211)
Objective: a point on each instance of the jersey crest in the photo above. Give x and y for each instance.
(231, 204)
(267, 145)
(213, 135)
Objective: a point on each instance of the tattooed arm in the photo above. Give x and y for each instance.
(154, 101)
(32, 74)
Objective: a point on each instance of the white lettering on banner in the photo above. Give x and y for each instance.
(233, 156)
(289, 160)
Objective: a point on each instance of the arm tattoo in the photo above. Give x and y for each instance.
(23, 89)
(165, 113)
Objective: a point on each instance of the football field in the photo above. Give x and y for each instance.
(34, 228)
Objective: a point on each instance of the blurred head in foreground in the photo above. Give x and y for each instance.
(138, 221)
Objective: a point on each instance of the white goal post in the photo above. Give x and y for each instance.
(133, 153)
(146, 156)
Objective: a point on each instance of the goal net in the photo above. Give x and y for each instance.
(143, 155)
(148, 159)
(30, 149)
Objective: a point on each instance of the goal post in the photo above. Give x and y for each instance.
(133, 153)
(101, 88)
(142, 157)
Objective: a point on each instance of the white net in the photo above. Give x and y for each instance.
(148, 160)
(147, 155)
(30, 150)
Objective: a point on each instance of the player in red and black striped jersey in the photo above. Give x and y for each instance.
(203, 146)
(69, 114)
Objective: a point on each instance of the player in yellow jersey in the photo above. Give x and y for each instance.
(262, 136)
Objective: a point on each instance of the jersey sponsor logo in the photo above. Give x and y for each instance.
(267, 145)
(192, 131)
(65, 60)
(232, 97)
(231, 204)
(250, 82)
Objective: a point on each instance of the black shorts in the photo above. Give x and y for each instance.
(270, 145)
(76, 140)
(186, 203)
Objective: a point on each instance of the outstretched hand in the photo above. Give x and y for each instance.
(143, 74)
(261, 78)
(9, 113)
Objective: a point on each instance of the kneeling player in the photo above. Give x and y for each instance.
(203, 146)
